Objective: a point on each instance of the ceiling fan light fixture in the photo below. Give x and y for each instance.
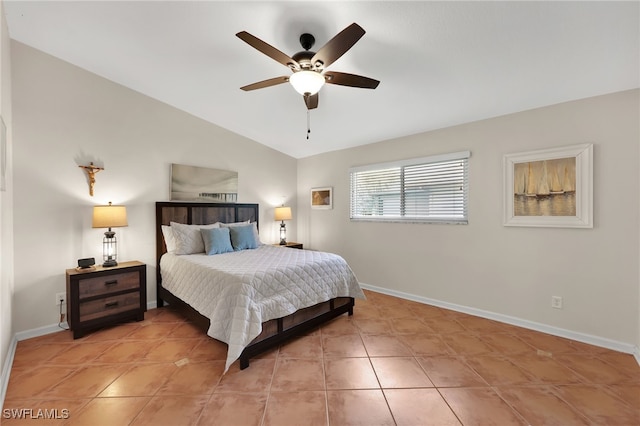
(307, 82)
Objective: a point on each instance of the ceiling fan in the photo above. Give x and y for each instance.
(309, 68)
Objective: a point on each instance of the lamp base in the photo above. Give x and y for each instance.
(109, 263)
(283, 234)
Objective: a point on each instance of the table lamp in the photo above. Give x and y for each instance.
(109, 217)
(283, 213)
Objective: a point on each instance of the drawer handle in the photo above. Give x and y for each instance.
(112, 282)
(111, 304)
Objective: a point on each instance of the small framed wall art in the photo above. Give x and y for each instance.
(322, 198)
(549, 187)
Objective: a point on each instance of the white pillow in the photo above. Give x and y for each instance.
(188, 239)
(169, 239)
(230, 225)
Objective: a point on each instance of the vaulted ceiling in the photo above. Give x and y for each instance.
(439, 63)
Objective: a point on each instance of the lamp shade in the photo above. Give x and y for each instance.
(307, 82)
(282, 213)
(109, 216)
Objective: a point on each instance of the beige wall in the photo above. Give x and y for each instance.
(65, 116)
(6, 203)
(508, 271)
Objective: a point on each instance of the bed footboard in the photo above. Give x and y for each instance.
(276, 331)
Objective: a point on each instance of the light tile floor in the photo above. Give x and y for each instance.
(394, 362)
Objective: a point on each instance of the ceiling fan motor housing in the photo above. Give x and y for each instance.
(304, 59)
(307, 41)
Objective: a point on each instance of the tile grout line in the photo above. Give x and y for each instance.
(384, 395)
(324, 378)
(273, 375)
(440, 393)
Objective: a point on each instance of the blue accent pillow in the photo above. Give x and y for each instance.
(216, 240)
(242, 237)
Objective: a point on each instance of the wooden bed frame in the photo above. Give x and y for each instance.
(274, 331)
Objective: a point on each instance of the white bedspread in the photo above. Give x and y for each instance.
(239, 291)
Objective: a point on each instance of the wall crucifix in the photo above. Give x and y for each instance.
(91, 173)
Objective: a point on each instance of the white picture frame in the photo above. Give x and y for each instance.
(549, 187)
(322, 198)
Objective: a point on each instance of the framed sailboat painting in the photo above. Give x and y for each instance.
(549, 187)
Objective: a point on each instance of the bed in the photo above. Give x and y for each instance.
(253, 299)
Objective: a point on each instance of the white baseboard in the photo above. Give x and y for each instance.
(6, 369)
(52, 328)
(531, 325)
(41, 331)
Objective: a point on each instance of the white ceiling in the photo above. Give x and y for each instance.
(439, 63)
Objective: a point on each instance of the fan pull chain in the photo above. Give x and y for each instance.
(308, 124)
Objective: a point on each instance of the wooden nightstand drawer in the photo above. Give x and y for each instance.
(112, 305)
(108, 284)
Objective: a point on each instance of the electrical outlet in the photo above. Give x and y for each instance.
(556, 302)
(59, 297)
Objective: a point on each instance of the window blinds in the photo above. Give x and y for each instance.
(428, 189)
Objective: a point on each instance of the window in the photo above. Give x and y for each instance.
(428, 189)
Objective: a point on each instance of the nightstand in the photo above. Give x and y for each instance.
(291, 244)
(97, 297)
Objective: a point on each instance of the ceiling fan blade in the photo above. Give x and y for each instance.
(311, 101)
(265, 83)
(268, 50)
(338, 45)
(352, 80)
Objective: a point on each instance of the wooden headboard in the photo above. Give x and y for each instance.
(197, 214)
